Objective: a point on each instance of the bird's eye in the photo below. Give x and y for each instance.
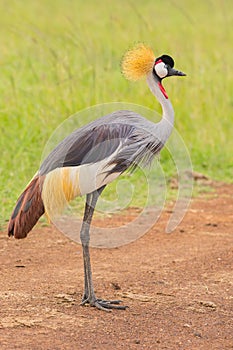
(161, 70)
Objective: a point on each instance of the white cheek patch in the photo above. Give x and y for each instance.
(161, 69)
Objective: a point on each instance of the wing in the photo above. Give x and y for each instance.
(89, 144)
(125, 131)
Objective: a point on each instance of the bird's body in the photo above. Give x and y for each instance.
(89, 159)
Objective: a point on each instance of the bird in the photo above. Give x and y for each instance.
(93, 156)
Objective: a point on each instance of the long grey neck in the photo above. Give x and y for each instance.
(165, 126)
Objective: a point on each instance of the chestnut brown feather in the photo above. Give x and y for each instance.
(28, 209)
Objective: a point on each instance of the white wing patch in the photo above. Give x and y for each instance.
(93, 176)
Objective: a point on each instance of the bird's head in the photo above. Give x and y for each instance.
(140, 61)
(164, 67)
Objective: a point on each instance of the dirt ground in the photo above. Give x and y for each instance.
(178, 286)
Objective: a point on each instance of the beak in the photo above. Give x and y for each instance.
(172, 71)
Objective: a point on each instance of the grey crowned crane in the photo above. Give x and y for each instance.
(94, 155)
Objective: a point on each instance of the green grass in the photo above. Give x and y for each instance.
(58, 57)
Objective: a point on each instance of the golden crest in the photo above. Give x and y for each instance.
(137, 62)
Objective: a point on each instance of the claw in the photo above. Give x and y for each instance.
(105, 305)
(109, 301)
(84, 301)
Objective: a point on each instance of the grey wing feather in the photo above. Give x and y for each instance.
(139, 150)
(101, 138)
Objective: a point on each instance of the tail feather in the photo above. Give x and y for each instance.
(28, 209)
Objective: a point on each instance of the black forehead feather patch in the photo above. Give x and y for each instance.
(167, 60)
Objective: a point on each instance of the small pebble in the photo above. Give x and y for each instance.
(197, 334)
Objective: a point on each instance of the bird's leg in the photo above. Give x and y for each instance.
(89, 294)
(85, 238)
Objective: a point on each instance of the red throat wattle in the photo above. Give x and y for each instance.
(163, 90)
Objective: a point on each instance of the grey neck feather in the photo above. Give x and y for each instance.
(165, 126)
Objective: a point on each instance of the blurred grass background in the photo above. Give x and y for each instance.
(60, 56)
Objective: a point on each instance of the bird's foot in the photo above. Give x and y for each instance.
(105, 305)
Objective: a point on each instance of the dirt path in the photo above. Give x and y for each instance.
(179, 286)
